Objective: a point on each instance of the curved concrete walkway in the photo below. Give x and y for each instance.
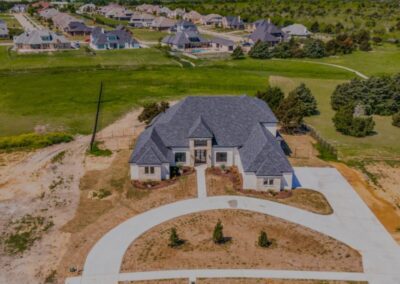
(352, 223)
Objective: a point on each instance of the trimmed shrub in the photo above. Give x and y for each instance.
(263, 240)
(396, 119)
(218, 234)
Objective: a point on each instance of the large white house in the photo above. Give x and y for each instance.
(236, 131)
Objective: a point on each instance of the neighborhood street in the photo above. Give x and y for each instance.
(350, 220)
(27, 23)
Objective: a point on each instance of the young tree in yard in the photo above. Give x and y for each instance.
(396, 119)
(304, 96)
(151, 110)
(238, 53)
(263, 240)
(260, 50)
(273, 96)
(218, 234)
(290, 114)
(174, 240)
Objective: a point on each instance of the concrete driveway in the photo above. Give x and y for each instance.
(352, 223)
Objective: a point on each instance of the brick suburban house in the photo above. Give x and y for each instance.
(236, 131)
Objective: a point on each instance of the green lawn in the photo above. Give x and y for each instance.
(79, 58)
(147, 34)
(383, 59)
(10, 20)
(67, 97)
(384, 144)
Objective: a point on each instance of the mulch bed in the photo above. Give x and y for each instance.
(236, 178)
(163, 183)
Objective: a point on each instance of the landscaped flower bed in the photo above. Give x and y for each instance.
(151, 184)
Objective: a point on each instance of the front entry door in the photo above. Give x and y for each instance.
(200, 156)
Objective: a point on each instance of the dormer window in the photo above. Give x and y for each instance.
(200, 143)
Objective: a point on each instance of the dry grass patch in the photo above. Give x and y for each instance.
(294, 247)
(270, 281)
(306, 199)
(96, 216)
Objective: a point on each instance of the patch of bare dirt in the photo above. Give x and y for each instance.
(306, 199)
(45, 184)
(95, 217)
(293, 247)
(302, 151)
(387, 212)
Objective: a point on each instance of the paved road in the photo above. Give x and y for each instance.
(27, 25)
(352, 223)
(231, 37)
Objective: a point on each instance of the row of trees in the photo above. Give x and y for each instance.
(217, 237)
(313, 48)
(290, 110)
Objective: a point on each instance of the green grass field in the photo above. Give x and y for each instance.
(384, 59)
(61, 89)
(147, 34)
(10, 20)
(384, 144)
(79, 58)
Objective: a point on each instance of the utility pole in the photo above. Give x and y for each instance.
(97, 116)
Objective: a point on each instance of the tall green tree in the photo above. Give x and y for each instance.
(260, 50)
(304, 96)
(314, 48)
(290, 114)
(237, 53)
(273, 96)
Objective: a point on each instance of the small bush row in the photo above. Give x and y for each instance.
(34, 140)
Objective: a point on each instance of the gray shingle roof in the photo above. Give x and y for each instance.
(39, 37)
(262, 154)
(101, 37)
(231, 121)
(200, 129)
(181, 38)
(266, 32)
(223, 41)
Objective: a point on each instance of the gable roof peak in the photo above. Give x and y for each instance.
(200, 129)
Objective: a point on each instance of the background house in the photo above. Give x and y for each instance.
(232, 22)
(222, 44)
(48, 13)
(212, 20)
(296, 30)
(71, 25)
(182, 26)
(101, 39)
(186, 40)
(267, 32)
(4, 33)
(87, 9)
(19, 8)
(40, 40)
(192, 16)
(141, 20)
(162, 24)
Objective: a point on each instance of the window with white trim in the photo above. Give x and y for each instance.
(268, 181)
(221, 157)
(149, 170)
